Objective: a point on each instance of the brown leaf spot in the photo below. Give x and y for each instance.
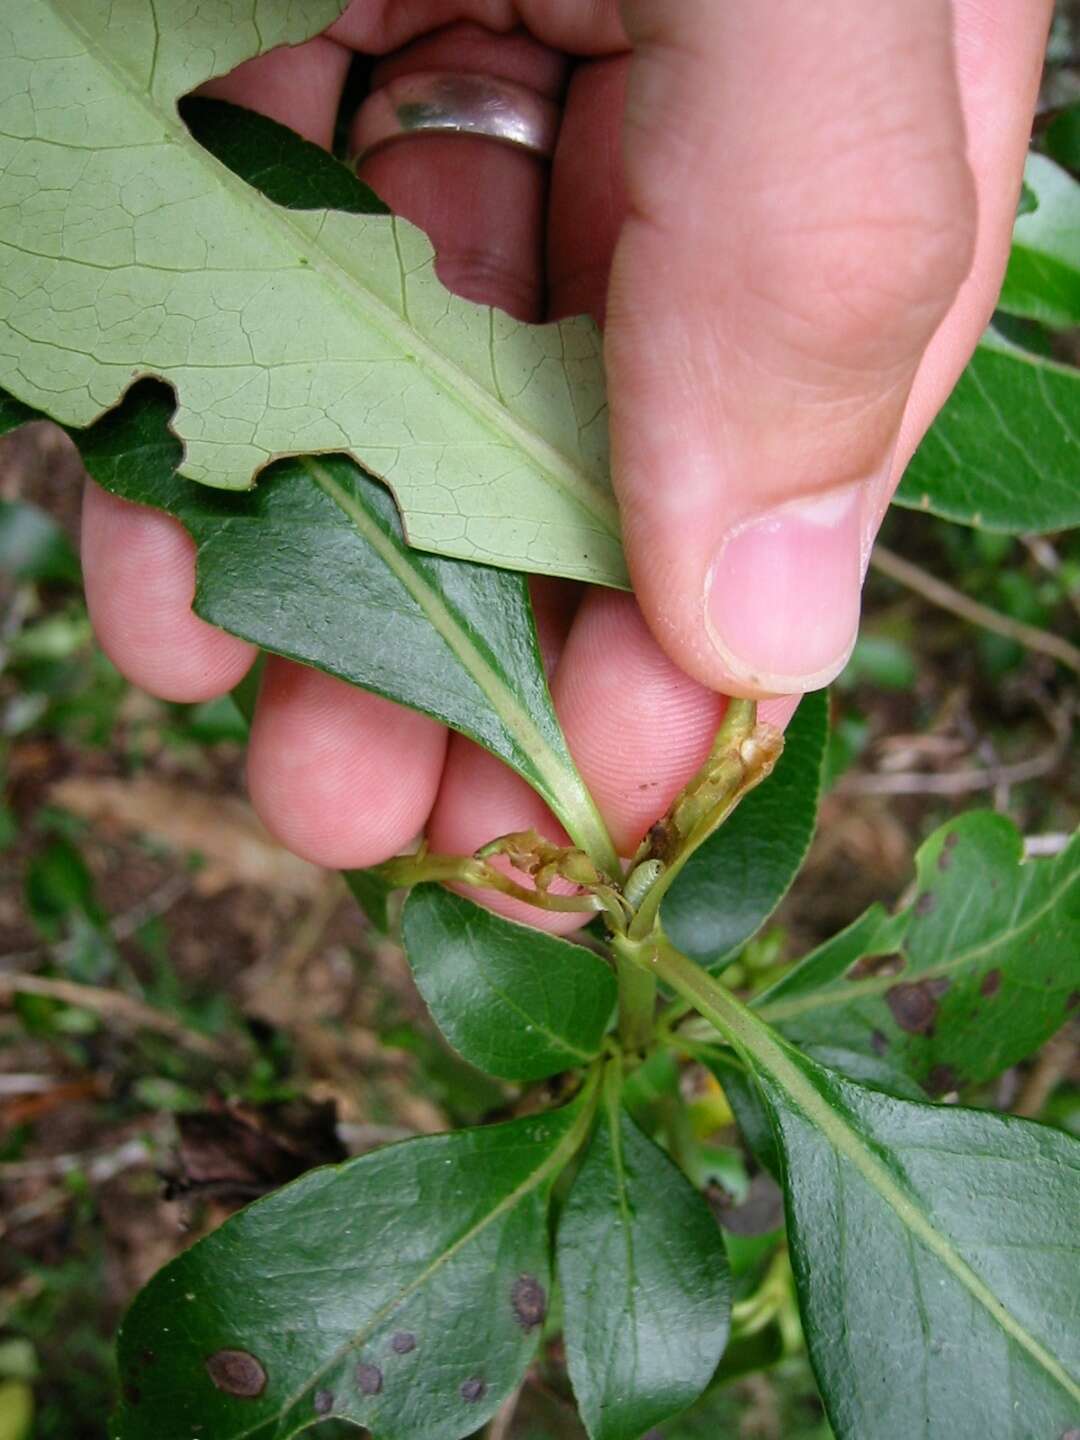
(323, 1402)
(873, 965)
(1073, 1001)
(237, 1373)
(402, 1341)
(529, 1301)
(368, 1378)
(132, 1394)
(473, 1389)
(879, 1043)
(925, 903)
(914, 1006)
(991, 983)
(942, 1079)
(944, 859)
(1070, 1435)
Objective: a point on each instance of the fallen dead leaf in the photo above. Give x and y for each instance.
(222, 830)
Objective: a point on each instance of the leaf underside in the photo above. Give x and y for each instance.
(975, 974)
(290, 315)
(403, 1291)
(128, 249)
(312, 565)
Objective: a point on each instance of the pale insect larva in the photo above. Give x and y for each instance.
(641, 880)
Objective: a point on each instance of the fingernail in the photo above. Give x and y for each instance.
(782, 598)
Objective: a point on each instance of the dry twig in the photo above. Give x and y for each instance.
(948, 598)
(956, 782)
(114, 1005)
(1053, 1065)
(501, 1421)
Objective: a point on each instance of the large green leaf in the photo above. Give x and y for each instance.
(129, 249)
(312, 565)
(1042, 281)
(937, 1261)
(935, 1248)
(979, 970)
(403, 1291)
(513, 1001)
(646, 1289)
(1005, 451)
(731, 885)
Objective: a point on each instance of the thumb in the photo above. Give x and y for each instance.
(801, 214)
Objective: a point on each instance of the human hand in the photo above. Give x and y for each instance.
(794, 249)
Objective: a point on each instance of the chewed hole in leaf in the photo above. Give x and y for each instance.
(871, 966)
(942, 1080)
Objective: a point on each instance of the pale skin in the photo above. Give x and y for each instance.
(793, 230)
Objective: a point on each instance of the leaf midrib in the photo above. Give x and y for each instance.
(573, 480)
(842, 994)
(557, 779)
(847, 1141)
(762, 1051)
(557, 1042)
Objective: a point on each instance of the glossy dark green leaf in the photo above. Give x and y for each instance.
(937, 1259)
(1042, 281)
(731, 885)
(279, 163)
(513, 1001)
(313, 565)
(976, 973)
(1004, 452)
(646, 1289)
(935, 1248)
(372, 894)
(14, 413)
(749, 1354)
(403, 1291)
(1061, 138)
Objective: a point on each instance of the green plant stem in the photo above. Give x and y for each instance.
(409, 870)
(739, 1026)
(774, 1293)
(637, 997)
(741, 756)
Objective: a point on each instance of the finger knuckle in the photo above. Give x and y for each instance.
(873, 267)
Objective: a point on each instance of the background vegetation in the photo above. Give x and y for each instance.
(189, 1016)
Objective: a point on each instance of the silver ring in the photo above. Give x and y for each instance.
(456, 103)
